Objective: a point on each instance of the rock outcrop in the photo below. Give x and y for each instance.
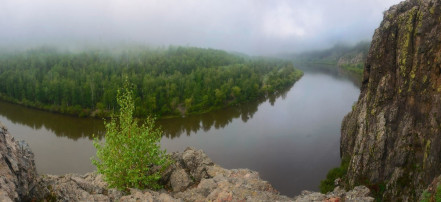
(193, 177)
(90, 187)
(358, 194)
(214, 183)
(353, 60)
(17, 168)
(393, 135)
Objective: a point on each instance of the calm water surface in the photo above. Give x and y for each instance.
(291, 139)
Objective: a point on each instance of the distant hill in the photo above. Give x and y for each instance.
(350, 58)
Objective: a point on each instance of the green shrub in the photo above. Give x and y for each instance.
(426, 197)
(434, 195)
(327, 184)
(130, 151)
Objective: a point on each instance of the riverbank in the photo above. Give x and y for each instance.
(347, 58)
(165, 82)
(193, 177)
(180, 111)
(293, 124)
(352, 71)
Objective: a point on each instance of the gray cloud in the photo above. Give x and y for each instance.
(254, 27)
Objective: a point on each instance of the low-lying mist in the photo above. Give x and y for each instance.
(252, 27)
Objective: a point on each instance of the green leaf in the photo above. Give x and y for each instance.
(124, 158)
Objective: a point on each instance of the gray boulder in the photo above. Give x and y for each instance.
(197, 162)
(358, 194)
(179, 180)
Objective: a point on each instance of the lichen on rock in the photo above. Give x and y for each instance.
(393, 134)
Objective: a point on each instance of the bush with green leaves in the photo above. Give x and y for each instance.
(130, 156)
(432, 195)
(327, 184)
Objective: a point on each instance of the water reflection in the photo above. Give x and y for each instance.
(175, 127)
(75, 128)
(331, 70)
(60, 125)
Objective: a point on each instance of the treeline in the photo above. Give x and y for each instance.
(167, 82)
(350, 58)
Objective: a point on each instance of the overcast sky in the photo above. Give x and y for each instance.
(249, 26)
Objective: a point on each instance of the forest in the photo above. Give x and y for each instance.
(348, 58)
(171, 81)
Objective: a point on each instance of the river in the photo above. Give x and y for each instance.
(291, 139)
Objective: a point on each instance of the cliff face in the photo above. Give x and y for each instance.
(393, 135)
(17, 168)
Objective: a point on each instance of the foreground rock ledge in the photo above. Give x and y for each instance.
(193, 177)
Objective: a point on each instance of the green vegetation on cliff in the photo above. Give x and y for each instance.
(168, 82)
(432, 197)
(328, 184)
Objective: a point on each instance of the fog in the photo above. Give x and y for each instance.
(256, 27)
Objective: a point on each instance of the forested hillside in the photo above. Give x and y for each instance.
(350, 58)
(167, 82)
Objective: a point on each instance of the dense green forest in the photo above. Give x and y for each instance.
(350, 58)
(166, 81)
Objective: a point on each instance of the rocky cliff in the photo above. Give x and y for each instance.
(393, 134)
(17, 168)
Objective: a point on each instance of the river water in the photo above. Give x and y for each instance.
(291, 139)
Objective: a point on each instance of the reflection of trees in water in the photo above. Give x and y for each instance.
(332, 70)
(174, 127)
(353, 77)
(61, 125)
(75, 128)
